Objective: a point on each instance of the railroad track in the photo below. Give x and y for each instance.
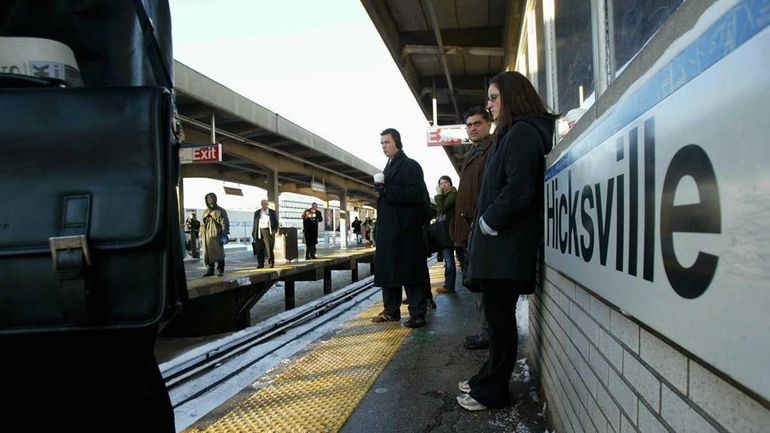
(195, 367)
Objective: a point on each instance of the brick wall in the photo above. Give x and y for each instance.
(602, 371)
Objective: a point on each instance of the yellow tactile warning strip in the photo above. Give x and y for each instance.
(318, 392)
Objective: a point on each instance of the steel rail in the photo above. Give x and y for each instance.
(214, 358)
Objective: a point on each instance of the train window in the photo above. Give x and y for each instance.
(574, 53)
(634, 22)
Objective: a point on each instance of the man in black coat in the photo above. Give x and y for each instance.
(401, 250)
(265, 227)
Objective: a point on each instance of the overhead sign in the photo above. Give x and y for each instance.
(662, 210)
(191, 153)
(447, 135)
(317, 186)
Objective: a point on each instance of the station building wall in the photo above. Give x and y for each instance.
(622, 350)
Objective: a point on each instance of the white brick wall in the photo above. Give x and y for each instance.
(605, 372)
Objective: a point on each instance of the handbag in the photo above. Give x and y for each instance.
(223, 239)
(439, 234)
(90, 234)
(470, 283)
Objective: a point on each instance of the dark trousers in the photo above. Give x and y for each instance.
(417, 296)
(268, 242)
(85, 382)
(310, 251)
(490, 386)
(450, 272)
(220, 265)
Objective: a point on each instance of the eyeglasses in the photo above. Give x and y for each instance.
(492, 98)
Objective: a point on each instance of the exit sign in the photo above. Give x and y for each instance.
(200, 153)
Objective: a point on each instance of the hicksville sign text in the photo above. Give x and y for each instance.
(661, 207)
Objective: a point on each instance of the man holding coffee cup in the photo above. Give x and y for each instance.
(402, 211)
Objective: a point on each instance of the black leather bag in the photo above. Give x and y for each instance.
(470, 283)
(439, 235)
(89, 233)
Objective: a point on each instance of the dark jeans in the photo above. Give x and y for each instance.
(490, 386)
(450, 273)
(417, 296)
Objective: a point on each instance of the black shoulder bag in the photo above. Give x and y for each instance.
(89, 231)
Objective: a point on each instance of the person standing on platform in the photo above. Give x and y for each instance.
(356, 224)
(502, 251)
(401, 250)
(478, 125)
(445, 207)
(193, 226)
(265, 227)
(310, 219)
(216, 226)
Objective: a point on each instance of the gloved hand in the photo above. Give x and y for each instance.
(439, 190)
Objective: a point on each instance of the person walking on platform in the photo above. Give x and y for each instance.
(445, 207)
(401, 250)
(310, 219)
(356, 224)
(502, 250)
(265, 227)
(478, 124)
(216, 227)
(193, 226)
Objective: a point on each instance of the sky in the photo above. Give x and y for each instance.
(320, 64)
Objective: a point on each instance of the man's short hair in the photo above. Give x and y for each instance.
(395, 135)
(477, 111)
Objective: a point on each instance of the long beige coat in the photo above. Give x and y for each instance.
(214, 223)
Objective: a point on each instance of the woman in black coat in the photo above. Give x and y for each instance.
(502, 252)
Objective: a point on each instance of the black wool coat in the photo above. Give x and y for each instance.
(511, 202)
(401, 214)
(310, 222)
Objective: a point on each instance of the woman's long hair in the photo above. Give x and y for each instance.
(518, 98)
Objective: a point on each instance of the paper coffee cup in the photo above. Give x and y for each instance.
(379, 178)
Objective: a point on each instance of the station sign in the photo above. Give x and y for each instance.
(662, 211)
(447, 135)
(191, 153)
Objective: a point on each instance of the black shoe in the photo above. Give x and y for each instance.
(414, 322)
(220, 273)
(475, 342)
(209, 274)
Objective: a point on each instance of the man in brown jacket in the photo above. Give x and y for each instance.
(478, 124)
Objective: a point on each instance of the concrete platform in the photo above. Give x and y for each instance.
(365, 377)
(416, 391)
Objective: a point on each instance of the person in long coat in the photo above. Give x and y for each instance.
(310, 219)
(508, 228)
(215, 224)
(478, 124)
(401, 249)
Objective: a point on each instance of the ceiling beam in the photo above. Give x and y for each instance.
(452, 50)
(442, 55)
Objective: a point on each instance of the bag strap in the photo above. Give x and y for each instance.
(155, 54)
(71, 258)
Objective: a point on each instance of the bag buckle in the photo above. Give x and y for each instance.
(77, 242)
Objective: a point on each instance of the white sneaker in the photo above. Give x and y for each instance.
(469, 403)
(464, 386)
